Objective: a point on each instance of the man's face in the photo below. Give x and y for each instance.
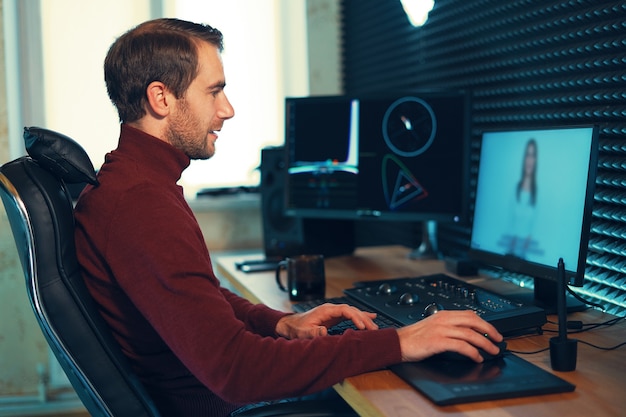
(200, 113)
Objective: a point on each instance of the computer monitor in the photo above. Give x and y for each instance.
(399, 157)
(533, 204)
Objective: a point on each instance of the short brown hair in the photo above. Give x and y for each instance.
(157, 50)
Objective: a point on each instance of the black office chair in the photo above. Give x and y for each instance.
(34, 190)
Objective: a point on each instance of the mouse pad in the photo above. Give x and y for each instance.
(447, 382)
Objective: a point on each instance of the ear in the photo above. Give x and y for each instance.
(158, 98)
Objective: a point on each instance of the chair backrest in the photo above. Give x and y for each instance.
(40, 211)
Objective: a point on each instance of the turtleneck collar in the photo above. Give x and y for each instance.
(152, 153)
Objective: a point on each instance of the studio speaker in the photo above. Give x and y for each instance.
(286, 235)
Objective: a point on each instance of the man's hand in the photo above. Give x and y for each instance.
(459, 331)
(315, 322)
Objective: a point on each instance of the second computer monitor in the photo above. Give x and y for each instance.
(533, 204)
(388, 157)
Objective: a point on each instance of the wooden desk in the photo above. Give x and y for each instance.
(600, 376)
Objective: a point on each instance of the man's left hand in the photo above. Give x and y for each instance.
(315, 322)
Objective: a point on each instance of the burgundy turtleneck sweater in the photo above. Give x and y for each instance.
(199, 349)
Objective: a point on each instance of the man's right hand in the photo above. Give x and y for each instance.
(458, 331)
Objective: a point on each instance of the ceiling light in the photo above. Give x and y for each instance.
(417, 10)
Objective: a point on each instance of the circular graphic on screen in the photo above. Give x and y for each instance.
(409, 126)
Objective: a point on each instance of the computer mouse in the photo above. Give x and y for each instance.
(455, 356)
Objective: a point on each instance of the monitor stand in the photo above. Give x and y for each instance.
(544, 296)
(428, 247)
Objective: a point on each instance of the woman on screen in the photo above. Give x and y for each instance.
(523, 209)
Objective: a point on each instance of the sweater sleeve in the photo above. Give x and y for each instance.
(158, 255)
(258, 318)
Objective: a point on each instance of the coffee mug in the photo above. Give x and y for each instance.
(306, 278)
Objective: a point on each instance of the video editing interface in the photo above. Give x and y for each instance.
(390, 158)
(533, 196)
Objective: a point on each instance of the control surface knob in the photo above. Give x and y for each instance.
(385, 289)
(431, 309)
(408, 299)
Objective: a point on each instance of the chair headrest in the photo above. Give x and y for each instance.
(60, 155)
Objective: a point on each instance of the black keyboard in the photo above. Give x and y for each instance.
(402, 301)
(341, 327)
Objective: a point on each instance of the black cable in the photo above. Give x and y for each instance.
(619, 345)
(518, 352)
(590, 326)
(582, 300)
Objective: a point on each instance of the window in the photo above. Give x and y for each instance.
(62, 85)
(255, 83)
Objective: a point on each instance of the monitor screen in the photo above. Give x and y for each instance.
(534, 197)
(393, 157)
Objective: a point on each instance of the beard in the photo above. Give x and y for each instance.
(186, 133)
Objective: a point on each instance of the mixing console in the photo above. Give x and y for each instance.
(407, 300)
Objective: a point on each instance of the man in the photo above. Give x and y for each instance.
(198, 348)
